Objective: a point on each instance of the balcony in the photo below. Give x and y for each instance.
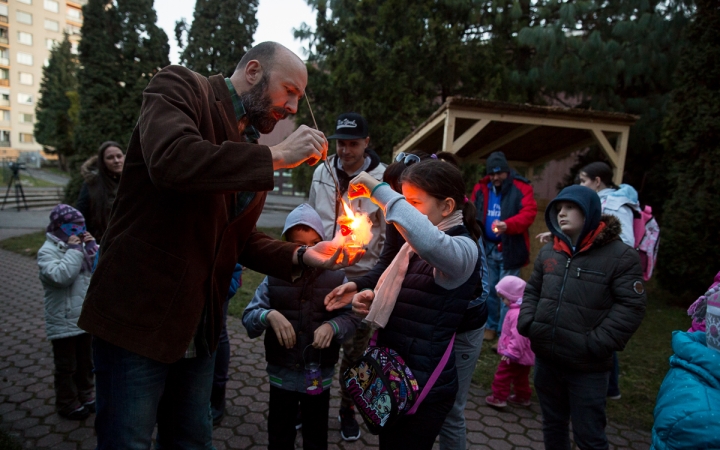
(4, 102)
(5, 143)
(4, 61)
(3, 19)
(4, 82)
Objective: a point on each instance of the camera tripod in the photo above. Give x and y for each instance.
(19, 193)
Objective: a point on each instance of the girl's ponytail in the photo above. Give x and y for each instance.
(469, 213)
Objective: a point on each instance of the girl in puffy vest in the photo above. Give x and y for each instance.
(422, 296)
(65, 263)
(517, 357)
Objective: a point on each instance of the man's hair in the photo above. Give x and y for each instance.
(264, 53)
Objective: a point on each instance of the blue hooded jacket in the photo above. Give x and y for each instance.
(687, 410)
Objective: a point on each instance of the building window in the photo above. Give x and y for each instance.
(24, 38)
(27, 2)
(26, 78)
(25, 58)
(26, 118)
(4, 138)
(26, 138)
(4, 76)
(52, 5)
(52, 25)
(72, 29)
(50, 43)
(4, 11)
(74, 48)
(23, 17)
(6, 116)
(25, 99)
(4, 57)
(74, 14)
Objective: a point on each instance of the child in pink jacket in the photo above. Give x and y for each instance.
(517, 357)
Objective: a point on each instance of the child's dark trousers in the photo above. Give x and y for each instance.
(73, 372)
(283, 412)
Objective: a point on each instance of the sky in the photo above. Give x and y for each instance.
(276, 20)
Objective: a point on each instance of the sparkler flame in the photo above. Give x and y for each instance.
(355, 227)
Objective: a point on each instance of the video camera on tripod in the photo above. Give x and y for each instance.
(15, 168)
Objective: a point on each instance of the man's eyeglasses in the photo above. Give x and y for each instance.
(407, 158)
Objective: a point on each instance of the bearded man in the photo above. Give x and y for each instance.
(192, 188)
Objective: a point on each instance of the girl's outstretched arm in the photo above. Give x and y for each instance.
(452, 257)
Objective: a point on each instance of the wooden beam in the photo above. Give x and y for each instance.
(605, 146)
(448, 132)
(621, 147)
(582, 124)
(506, 139)
(421, 134)
(469, 134)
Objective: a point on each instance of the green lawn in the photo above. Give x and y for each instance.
(26, 245)
(643, 364)
(27, 180)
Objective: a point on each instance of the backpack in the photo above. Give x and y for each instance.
(647, 239)
(384, 388)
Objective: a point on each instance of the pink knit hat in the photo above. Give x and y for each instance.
(512, 288)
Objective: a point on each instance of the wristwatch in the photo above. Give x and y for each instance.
(300, 254)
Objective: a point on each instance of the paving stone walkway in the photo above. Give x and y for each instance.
(27, 399)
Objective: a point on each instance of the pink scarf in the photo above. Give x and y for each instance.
(388, 287)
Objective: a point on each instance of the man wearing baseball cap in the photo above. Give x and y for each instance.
(506, 208)
(352, 156)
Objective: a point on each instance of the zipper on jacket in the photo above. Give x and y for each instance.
(592, 272)
(557, 310)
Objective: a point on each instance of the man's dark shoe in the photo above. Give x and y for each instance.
(81, 413)
(349, 428)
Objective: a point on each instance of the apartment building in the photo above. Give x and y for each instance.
(28, 31)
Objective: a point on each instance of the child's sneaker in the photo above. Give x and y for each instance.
(516, 401)
(349, 428)
(90, 405)
(79, 414)
(496, 402)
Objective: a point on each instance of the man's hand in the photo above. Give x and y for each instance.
(340, 296)
(303, 144)
(544, 238)
(499, 227)
(282, 328)
(323, 336)
(329, 255)
(361, 186)
(362, 301)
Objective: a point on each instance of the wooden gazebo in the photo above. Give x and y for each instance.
(529, 135)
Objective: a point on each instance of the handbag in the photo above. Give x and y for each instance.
(384, 388)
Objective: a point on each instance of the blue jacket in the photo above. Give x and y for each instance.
(687, 410)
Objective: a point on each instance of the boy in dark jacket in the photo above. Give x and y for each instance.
(584, 301)
(304, 345)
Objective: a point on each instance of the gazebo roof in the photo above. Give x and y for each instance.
(529, 135)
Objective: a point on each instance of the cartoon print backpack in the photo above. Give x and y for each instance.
(384, 388)
(647, 239)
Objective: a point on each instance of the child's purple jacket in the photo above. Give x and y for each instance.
(511, 344)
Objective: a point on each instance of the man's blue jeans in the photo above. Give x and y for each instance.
(467, 351)
(134, 392)
(496, 272)
(569, 394)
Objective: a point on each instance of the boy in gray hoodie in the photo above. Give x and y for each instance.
(303, 346)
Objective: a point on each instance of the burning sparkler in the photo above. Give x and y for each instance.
(355, 229)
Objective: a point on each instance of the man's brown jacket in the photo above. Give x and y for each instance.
(172, 242)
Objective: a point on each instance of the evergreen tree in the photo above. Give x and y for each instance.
(221, 33)
(611, 56)
(55, 114)
(690, 246)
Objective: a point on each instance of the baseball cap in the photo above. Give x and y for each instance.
(350, 126)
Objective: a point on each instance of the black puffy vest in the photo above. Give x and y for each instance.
(302, 305)
(424, 320)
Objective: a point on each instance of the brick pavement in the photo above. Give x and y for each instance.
(27, 397)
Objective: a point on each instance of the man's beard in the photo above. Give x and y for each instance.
(259, 109)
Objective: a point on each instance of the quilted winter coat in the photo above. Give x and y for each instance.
(65, 287)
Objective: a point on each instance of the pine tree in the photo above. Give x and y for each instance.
(55, 112)
(221, 33)
(690, 245)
